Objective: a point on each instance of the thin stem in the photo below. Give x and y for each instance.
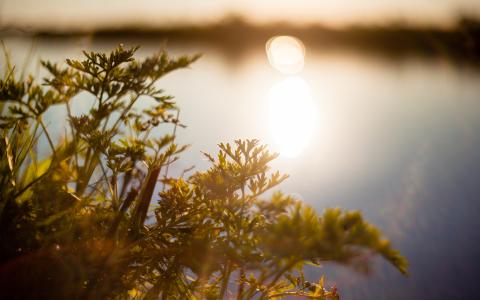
(226, 277)
(123, 208)
(173, 140)
(282, 271)
(125, 111)
(132, 102)
(104, 172)
(29, 185)
(8, 59)
(241, 285)
(126, 180)
(294, 293)
(28, 59)
(50, 142)
(74, 137)
(87, 163)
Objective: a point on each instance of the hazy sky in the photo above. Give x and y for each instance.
(92, 13)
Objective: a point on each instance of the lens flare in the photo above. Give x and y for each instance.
(286, 54)
(292, 116)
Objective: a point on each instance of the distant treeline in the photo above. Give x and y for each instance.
(460, 44)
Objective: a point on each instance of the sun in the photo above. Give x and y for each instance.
(292, 116)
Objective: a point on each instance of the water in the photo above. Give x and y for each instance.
(398, 140)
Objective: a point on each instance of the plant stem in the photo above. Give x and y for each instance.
(50, 142)
(174, 135)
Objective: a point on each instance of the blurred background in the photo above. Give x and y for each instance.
(372, 105)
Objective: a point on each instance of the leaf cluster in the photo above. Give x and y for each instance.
(99, 218)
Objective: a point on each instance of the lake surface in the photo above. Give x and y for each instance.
(397, 139)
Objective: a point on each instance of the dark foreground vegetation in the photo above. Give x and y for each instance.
(99, 217)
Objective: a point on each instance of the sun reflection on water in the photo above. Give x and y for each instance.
(292, 115)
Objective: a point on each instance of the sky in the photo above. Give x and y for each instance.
(65, 14)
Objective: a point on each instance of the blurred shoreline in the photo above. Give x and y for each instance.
(459, 44)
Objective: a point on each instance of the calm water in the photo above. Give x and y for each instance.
(399, 140)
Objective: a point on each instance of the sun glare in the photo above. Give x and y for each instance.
(286, 54)
(292, 116)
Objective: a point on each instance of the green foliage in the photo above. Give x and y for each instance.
(85, 223)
